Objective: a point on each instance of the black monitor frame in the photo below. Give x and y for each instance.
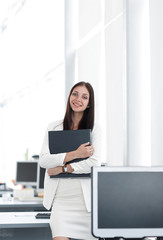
(23, 171)
(40, 179)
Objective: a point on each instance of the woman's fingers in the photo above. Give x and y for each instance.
(50, 171)
(91, 150)
(85, 150)
(85, 144)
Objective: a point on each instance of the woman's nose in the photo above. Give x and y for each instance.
(78, 98)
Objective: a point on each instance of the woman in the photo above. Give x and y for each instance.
(70, 198)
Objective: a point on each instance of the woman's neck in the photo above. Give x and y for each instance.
(76, 120)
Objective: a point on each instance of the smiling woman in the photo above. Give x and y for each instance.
(70, 198)
(79, 99)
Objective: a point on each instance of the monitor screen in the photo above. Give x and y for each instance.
(127, 202)
(26, 173)
(40, 180)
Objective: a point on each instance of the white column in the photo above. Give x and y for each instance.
(70, 42)
(156, 34)
(138, 83)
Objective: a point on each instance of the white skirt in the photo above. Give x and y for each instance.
(69, 217)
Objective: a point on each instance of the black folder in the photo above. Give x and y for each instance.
(67, 141)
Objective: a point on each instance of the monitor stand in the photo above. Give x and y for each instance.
(155, 238)
(123, 238)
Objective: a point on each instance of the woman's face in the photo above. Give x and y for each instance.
(79, 99)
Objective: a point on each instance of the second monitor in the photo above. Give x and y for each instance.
(29, 173)
(26, 173)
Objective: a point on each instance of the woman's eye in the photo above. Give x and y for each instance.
(74, 94)
(85, 97)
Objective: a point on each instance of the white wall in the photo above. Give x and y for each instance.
(156, 45)
(115, 82)
(145, 82)
(138, 83)
(99, 60)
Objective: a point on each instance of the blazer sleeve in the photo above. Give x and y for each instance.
(84, 166)
(47, 160)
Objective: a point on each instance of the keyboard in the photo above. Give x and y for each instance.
(43, 215)
(33, 199)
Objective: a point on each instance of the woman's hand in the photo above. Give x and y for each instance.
(85, 150)
(54, 171)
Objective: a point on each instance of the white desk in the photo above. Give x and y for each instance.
(21, 220)
(21, 206)
(23, 226)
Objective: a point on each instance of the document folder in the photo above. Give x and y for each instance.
(67, 141)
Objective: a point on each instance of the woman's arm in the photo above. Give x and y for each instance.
(59, 170)
(50, 161)
(94, 160)
(47, 160)
(93, 153)
(83, 151)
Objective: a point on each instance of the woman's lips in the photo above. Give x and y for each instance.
(77, 105)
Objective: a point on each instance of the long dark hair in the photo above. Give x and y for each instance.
(87, 121)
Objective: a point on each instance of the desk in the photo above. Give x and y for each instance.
(21, 206)
(6, 191)
(23, 226)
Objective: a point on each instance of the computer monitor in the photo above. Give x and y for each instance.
(127, 202)
(26, 173)
(40, 179)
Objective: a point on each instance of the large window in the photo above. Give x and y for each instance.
(32, 77)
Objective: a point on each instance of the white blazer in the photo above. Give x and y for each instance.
(48, 160)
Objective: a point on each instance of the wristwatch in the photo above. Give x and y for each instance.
(65, 169)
